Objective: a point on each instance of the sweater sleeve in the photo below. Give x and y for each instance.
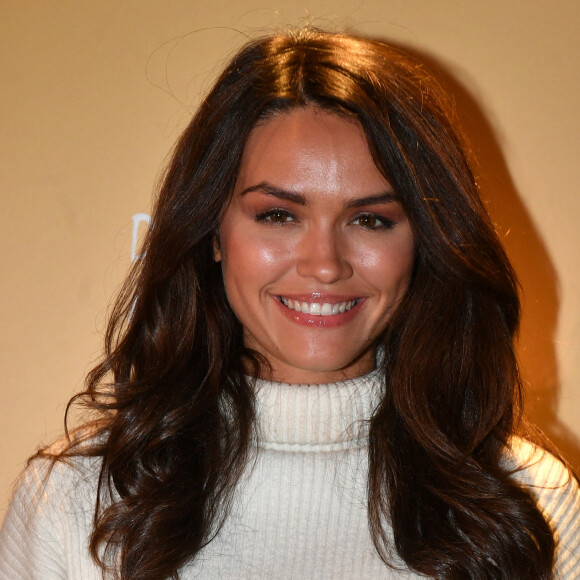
(30, 547)
(557, 494)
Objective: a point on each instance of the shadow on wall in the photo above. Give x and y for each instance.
(529, 256)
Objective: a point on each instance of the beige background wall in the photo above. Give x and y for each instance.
(94, 93)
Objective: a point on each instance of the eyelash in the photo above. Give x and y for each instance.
(267, 216)
(381, 221)
(283, 216)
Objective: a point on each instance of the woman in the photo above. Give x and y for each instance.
(311, 373)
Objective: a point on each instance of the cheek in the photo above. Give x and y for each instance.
(268, 256)
(253, 260)
(390, 267)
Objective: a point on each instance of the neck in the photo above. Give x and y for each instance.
(309, 417)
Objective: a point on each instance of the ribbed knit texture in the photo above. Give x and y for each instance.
(314, 418)
(299, 511)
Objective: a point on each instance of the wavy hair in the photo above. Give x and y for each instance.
(176, 413)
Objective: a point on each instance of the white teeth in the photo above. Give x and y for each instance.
(317, 308)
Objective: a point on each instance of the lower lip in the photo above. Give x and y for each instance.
(315, 321)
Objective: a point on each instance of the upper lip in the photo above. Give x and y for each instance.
(320, 297)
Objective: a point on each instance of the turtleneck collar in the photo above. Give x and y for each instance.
(325, 417)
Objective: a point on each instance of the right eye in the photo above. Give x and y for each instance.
(275, 216)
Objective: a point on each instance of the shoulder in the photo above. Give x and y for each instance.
(55, 489)
(63, 474)
(556, 492)
(49, 519)
(535, 467)
(71, 479)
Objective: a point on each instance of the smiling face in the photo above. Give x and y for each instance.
(315, 249)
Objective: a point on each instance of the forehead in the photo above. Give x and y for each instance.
(308, 150)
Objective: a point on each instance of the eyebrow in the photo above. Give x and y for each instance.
(385, 197)
(269, 189)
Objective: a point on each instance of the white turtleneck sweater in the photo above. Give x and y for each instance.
(299, 512)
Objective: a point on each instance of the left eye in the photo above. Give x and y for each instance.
(370, 221)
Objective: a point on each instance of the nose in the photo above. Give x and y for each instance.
(323, 255)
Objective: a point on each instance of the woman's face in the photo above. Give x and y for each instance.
(316, 250)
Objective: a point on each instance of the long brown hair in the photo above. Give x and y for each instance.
(176, 413)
